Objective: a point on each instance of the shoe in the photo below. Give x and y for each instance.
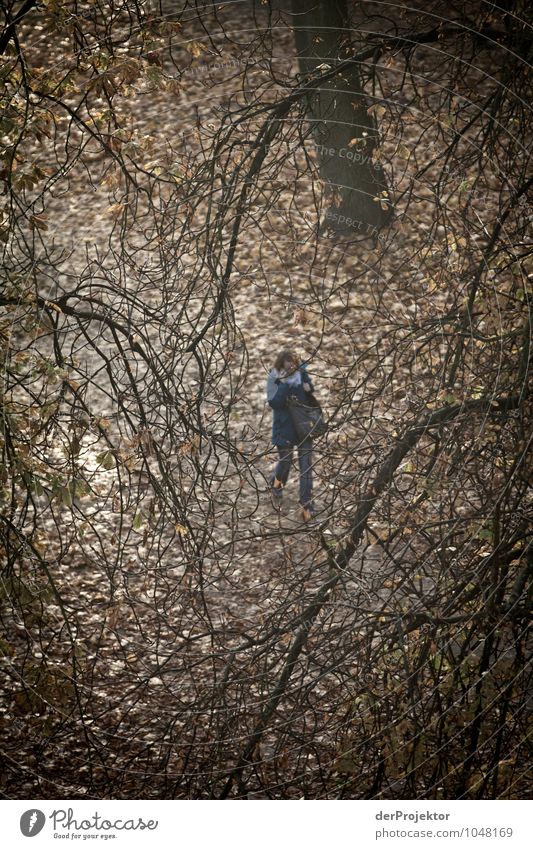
(276, 493)
(308, 513)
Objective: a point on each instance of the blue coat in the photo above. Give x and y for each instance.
(283, 432)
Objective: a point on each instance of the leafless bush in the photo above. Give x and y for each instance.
(165, 230)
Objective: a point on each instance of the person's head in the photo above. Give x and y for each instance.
(286, 360)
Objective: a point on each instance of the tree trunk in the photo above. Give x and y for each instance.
(344, 133)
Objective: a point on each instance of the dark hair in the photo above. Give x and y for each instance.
(285, 355)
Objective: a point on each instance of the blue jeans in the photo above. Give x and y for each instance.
(283, 466)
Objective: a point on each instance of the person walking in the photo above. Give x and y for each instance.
(288, 377)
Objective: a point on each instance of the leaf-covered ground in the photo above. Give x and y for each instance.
(150, 639)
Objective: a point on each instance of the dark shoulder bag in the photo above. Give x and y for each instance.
(307, 417)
